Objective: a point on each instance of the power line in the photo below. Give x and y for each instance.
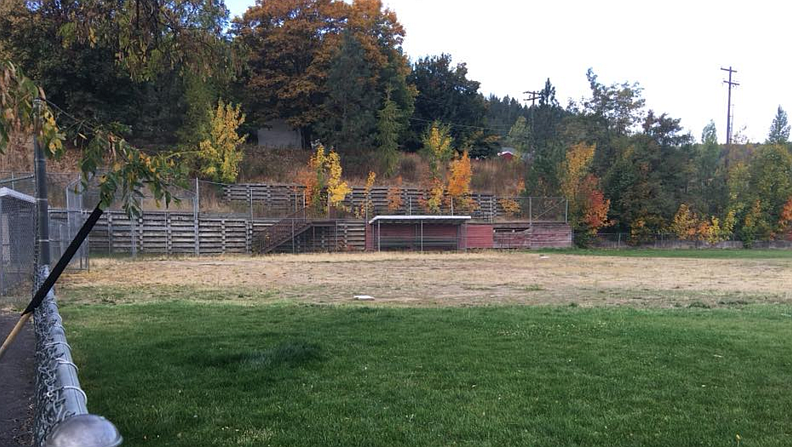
(494, 129)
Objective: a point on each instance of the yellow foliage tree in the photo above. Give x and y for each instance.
(315, 181)
(574, 169)
(219, 154)
(437, 147)
(459, 184)
(367, 207)
(337, 189)
(685, 224)
(435, 199)
(326, 176)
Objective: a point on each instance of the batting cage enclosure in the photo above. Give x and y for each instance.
(17, 246)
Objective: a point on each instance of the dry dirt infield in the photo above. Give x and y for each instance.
(439, 279)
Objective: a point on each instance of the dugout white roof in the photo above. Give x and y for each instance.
(429, 218)
(8, 192)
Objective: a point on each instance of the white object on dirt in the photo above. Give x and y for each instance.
(364, 297)
(544, 257)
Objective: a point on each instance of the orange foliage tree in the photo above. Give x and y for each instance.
(689, 226)
(588, 207)
(395, 201)
(459, 184)
(785, 221)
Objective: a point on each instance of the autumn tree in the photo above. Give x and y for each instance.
(784, 228)
(437, 150)
(459, 194)
(367, 207)
(219, 154)
(394, 197)
(290, 48)
(305, 53)
(588, 208)
(324, 187)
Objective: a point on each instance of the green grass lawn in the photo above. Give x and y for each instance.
(203, 374)
(710, 253)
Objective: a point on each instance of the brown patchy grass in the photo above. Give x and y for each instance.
(457, 279)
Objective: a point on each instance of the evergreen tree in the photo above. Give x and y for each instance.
(520, 137)
(352, 102)
(388, 129)
(446, 95)
(779, 130)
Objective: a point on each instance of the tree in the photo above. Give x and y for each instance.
(779, 130)
(290, 47)
(24, 110)
(437, 149)
(520, 137)
(502, 113)
(710, 174)
(98, 80)
(351, 105)
(446, 95)
(293, 46)
(219, 154)
(325, 188)
(148, 37)
(588, 208)
(618, 105)
(394, 197)
(709, 153)
(459, 184)
(388, 129)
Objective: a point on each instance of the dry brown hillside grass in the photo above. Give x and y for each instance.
(261, 164)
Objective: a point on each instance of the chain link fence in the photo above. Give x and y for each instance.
(17, 247)
(60, 407)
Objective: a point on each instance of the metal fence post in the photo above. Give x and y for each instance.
(530, 211)
(250, 201)
(132, 238)
(196, 212)
(2, 255)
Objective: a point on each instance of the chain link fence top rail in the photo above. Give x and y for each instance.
(58, 392)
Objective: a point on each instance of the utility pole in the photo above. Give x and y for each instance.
(534, 95)
(728, 106)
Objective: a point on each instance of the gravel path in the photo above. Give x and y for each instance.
(16, 384)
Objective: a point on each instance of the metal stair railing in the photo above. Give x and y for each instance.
(283, 231)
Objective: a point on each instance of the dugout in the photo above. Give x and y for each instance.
(17, 238)
(417, 233)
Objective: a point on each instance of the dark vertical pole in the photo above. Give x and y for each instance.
(728, 111)
(42, 203)
(729, 123)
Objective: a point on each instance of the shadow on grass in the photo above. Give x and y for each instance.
(291, 353)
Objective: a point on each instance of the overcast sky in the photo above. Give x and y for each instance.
(673, 48)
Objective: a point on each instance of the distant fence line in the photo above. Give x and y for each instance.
(184, 233)
(671, 240)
